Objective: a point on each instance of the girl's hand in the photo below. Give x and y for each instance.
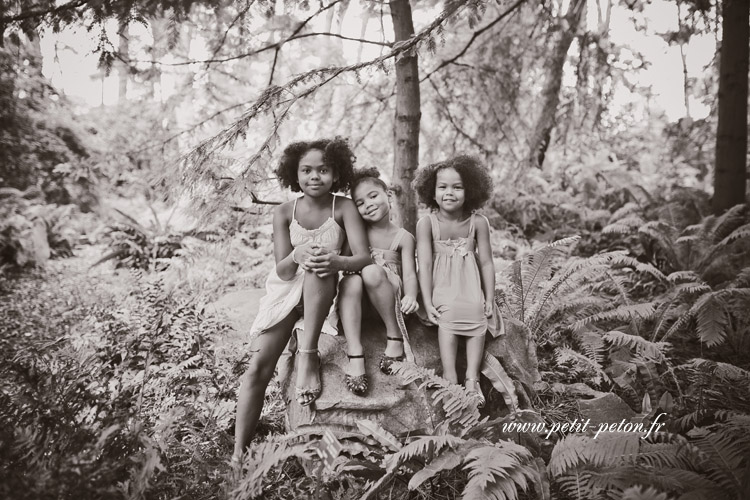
(409, 304)
(302, 254)
(323, 263)
(433, 315)
(488, 308)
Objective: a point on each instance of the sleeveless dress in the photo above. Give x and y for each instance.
(283, 296)
(390, 260)
(457, 291)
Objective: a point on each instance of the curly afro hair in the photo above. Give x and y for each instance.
(475, 177)
(337, 155)
(370, 174)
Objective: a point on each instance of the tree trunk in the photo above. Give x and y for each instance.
(731, 134)
(408, 114)
(123, 73)
(551, 93)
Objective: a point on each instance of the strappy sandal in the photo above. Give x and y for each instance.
(386, 361)
(477, 390)
(356, 383)
(304, 393)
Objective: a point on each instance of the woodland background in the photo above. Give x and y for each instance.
(620, 234)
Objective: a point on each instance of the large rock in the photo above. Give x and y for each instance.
(517, 353)
(397, 408)
(605, 408)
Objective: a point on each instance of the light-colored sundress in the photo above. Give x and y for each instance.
(390, 260)
(457, 291)
(283, 296)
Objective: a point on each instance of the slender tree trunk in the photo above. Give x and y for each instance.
(408, 114)
(731, 135)
(123, 73)
(551, 94)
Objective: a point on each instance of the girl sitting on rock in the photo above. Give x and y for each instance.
(456, 271)
(392, 250)
(308, 234)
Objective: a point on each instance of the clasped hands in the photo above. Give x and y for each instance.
(316, 258)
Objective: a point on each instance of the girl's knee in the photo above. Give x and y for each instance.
(257, 373)
(351, 284)
(373, 275)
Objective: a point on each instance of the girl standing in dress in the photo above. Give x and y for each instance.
(308, 234)
(456, 271)
(392, 250)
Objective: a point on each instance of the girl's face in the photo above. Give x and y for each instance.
(449, 190)
(372, 201)
(314, 177)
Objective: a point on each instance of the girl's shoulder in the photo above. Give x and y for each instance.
(285, 209)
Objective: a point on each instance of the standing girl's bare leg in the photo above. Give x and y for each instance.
(448, 344)
(265, 349)
(317, 296)
(474, 354)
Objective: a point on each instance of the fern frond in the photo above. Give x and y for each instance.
(422, 448)
(663, 235)
(643, 493)
(711, 319)
(606, 450)
(494, 371)
(628, 209)
(625, 313)
(592, 345)
(580, 362)
(496, 472)
(683, 276)
(448, 460)
(721, 227)
(651, 350)
(726, 373)
(460, 406)
(538, 265)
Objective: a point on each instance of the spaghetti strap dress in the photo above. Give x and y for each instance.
(457, 291)
(390, 260)
(282, 296)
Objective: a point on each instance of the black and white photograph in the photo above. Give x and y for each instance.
(374, 250)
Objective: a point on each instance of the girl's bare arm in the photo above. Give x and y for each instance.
(486, 264)
(424, 258)
(409, 265)
(356, 236)
(286, 268)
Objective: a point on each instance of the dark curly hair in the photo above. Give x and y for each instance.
(475, 177)
(337, 155)
(370, 174)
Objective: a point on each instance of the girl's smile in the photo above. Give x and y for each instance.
(372, 202)
(314, 176)
(449, 190)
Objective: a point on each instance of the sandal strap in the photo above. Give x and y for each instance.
(307, 351)
(355, 356)
(397, 339)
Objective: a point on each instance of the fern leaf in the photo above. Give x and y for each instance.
(448, 460)
(641, 493)
(727, 223)
(727, 373)
(382, 436)
(606, 450)
(622, 313)
(493, 370)
(711, 319)
(421, 448)
(496, 472)
(652, 350)
(628, 209)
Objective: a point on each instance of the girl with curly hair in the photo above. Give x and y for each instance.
(456, 271)
(308, 234)
(392, 250)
